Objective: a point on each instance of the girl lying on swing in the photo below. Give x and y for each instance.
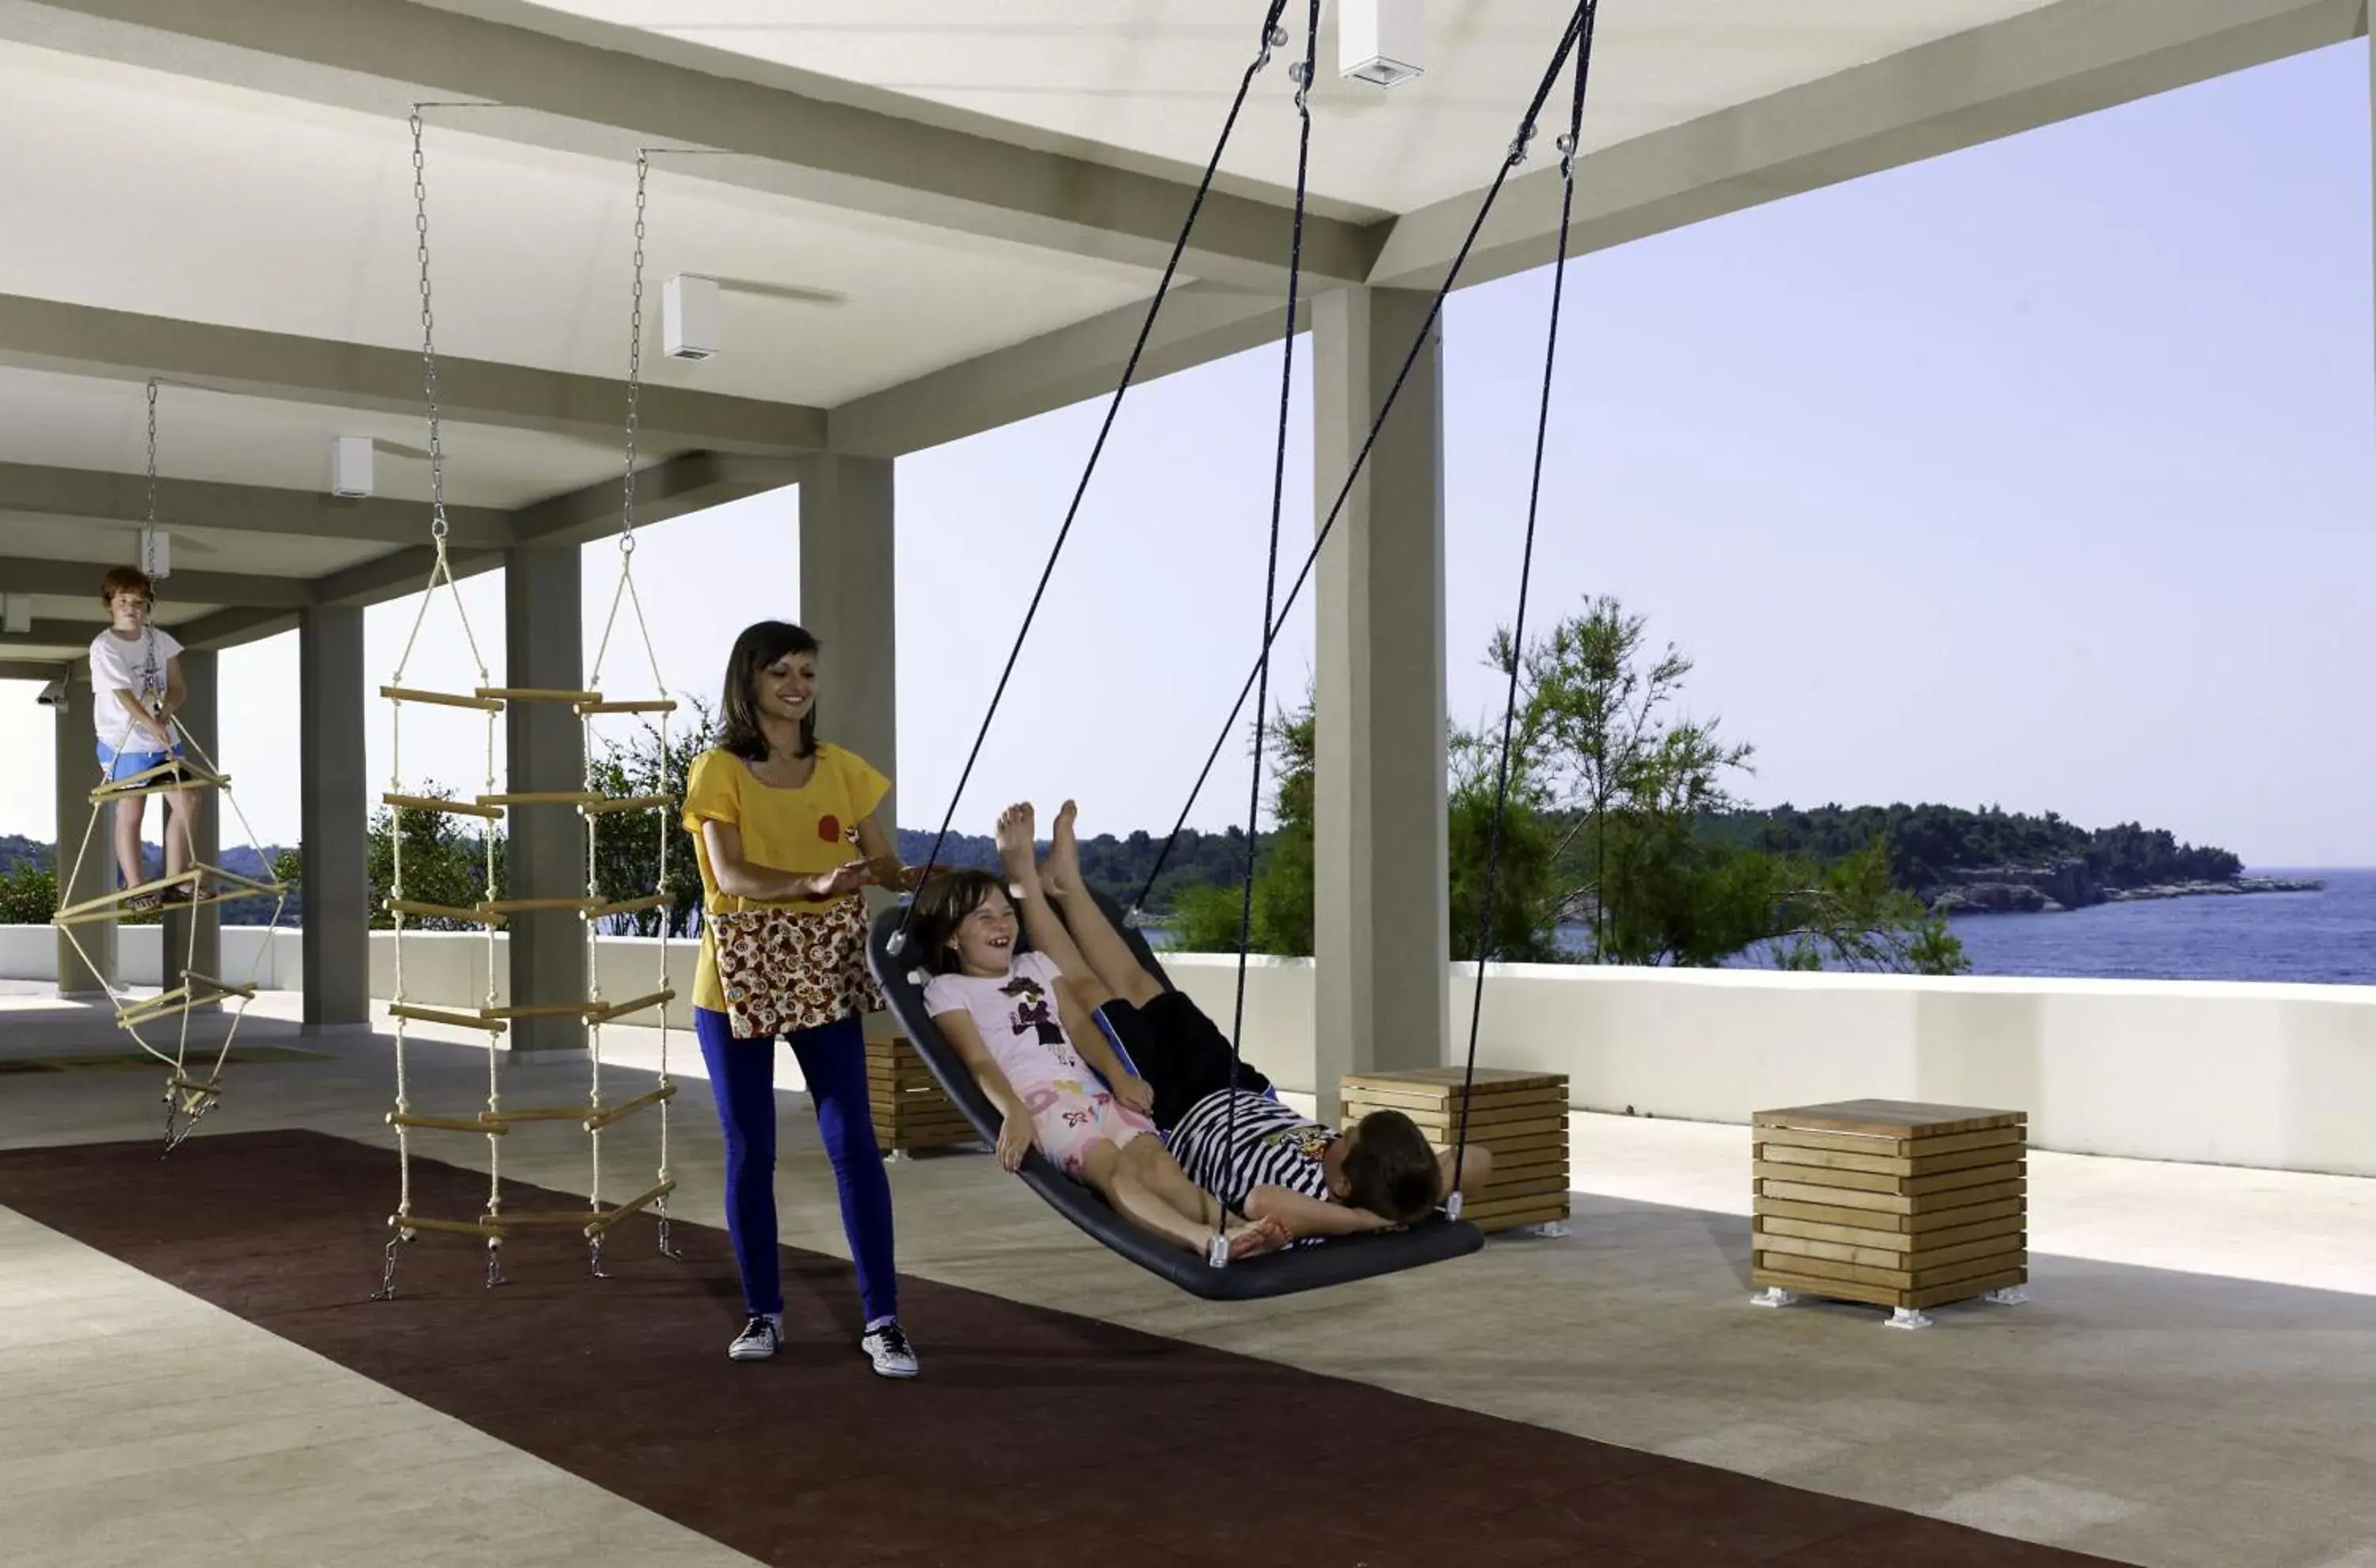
(1017, 1022)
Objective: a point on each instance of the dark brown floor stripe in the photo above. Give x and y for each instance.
(1034, 1438)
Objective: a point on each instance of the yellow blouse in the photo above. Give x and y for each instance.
(810, 829)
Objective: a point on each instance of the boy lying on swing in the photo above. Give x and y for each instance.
(1281, 1177)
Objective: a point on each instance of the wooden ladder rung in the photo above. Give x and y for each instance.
(191, 1086)
(542, 798)
(537, 1113)
(621, 1112)
(492, 1231)
(451, 1020)
(627, 906)
(145, 784)
(478, 914)
(639, 1201)
(621, 1009)
(265, 889)
(444, 1124)
(522, 906)
(537, 1010)
(101, 907)
(537, 693)
(451, 808)
(482, 701)
(219, 987)
(164, 1004)
(576, 1219)
(623, 804)
(661, 705)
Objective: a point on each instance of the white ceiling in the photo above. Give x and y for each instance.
(84, 422)
(1155, 77)
(173, 197)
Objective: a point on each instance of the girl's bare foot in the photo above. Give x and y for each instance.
(1014, 825)
(1061, 870)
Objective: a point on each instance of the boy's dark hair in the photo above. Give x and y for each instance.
(125, 579)
(738, 707)
(943, 902)
(1391, 1168)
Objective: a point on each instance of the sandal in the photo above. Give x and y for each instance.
(143, 904)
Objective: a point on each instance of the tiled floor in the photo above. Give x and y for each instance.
(2208, 1409)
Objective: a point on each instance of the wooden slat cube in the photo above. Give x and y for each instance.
(1521, 1117)
(912, 1110)
(1892, 1204)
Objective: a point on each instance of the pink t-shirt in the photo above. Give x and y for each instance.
(1019, 1021)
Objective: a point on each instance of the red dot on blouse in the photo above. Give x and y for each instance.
(829, 828)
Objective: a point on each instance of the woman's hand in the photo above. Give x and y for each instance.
(1013, 1140)
(843, 880)
(1134, 1091)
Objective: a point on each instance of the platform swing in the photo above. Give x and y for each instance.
(491, 807)
(1343, 1259)
(186, 991)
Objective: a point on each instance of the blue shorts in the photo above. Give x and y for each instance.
(123, 765)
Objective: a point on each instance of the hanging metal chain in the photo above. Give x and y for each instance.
(634, 357)
(428, 338)
(151, 512)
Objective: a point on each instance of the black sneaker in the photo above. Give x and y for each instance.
(890, 1351)
(758, 1340)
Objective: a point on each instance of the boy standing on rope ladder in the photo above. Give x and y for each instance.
(136, 677)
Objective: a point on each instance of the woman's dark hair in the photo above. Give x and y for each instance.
(943, 905)
(1391, 1168)
(737, 708)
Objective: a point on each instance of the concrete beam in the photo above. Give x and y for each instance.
(122, 346)
(31, 670)
(2053, 64)
(229, 628)
(82, 577)
(34, 490)
(672, 488)
(583, 87)
(1197, 324)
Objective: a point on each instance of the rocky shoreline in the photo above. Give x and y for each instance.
(2045, 890)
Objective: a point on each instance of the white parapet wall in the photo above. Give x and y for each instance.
(2279, 1076)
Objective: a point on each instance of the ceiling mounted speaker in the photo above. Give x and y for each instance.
(689, 317)
(1379, 42)
(350, 467)
(16, 613)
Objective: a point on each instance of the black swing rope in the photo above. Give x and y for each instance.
(1270, 577)
(1570, 148)
(1579, 37)
(1272, 37)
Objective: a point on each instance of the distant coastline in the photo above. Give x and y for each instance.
(2060, 888)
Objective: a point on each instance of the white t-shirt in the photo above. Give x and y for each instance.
(1018, 1019)
(128, 664)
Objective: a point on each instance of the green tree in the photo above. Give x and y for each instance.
(444, 862)
(1209, 917)
(627, 844)
(1634, 784)
(29, 894)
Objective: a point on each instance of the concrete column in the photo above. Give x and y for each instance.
(199, 719)
(334, 821)
(77, 772)
(544, 856)
(849, 601)
(1382, 934)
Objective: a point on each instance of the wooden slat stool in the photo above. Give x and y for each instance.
(1895, 1205)
(912, 1110)
(1522, 1117)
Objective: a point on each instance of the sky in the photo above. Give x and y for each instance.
(2037, 475)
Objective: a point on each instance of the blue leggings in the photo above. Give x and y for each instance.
(742, 1080)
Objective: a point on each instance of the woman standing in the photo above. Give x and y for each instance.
(773, 816)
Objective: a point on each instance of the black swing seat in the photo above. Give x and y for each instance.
(1337, 1261)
